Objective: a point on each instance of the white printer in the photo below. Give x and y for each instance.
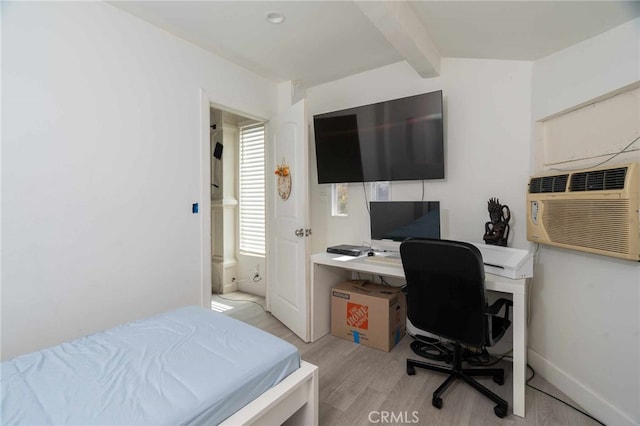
(506, 261)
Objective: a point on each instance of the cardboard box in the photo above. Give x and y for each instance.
(368, 314)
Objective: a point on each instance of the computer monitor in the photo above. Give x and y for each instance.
(394, 221)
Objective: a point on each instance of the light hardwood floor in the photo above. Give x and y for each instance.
(359, 384)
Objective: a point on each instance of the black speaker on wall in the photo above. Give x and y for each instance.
(217, 152)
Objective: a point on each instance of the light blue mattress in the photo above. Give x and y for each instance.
(188, 366)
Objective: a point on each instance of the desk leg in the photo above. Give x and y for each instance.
(519, 352)
(323, 279)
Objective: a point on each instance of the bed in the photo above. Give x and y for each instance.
(188, 366)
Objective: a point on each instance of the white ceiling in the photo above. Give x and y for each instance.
(321, 41)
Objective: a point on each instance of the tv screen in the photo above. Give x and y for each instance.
(401, 139)
(399, 220)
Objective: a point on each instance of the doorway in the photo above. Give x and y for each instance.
(236, 172)
(282, 277)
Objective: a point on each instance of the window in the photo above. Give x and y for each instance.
(252, 190)
(380, 191)
(339, 199)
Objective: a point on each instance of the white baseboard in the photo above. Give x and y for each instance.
(229, 288)
(599, 407)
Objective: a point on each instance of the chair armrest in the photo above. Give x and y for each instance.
(497, 306)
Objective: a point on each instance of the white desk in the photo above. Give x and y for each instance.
(326, 272)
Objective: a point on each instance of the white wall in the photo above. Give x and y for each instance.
(248, 265)
(585, 309)
(586, 70)
(100, 166)
(487, 141)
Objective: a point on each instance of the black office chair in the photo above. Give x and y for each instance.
(446, 297)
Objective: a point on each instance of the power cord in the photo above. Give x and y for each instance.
(366, 202)
(533, 373)
(240, 300)
(430, 348)
(439, 351)
(623, 150)
(485, 359)
(473, 362)
(383, 281)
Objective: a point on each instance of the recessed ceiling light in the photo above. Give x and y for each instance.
(275, 17)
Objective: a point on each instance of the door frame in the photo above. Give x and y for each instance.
(205, 192)
(205, 200)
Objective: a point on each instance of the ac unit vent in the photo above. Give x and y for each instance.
(544, 184)
(598, 213)
(598, 180)
(595, 224)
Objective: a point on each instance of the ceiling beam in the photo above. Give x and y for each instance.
(401, 27)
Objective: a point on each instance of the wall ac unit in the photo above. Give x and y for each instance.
(594, 210)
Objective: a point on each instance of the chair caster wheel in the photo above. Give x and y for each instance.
(411, 371)
(500, 411)
(436, 402)
(499, 380)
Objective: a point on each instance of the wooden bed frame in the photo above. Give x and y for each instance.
(294, 400)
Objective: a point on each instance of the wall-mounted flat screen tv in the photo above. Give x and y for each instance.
(400, 139)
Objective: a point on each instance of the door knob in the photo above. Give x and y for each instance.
(299, 232)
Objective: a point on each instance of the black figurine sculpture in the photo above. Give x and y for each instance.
(496, 232)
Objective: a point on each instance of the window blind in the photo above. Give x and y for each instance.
(252, 190)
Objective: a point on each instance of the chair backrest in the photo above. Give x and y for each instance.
(445, 289)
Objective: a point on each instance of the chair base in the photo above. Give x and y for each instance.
(457, 372)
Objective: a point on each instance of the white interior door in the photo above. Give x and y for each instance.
(287, 219)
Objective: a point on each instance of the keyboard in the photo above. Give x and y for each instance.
(386, 260)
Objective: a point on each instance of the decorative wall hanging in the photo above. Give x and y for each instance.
(496, 232)
(284, 180)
